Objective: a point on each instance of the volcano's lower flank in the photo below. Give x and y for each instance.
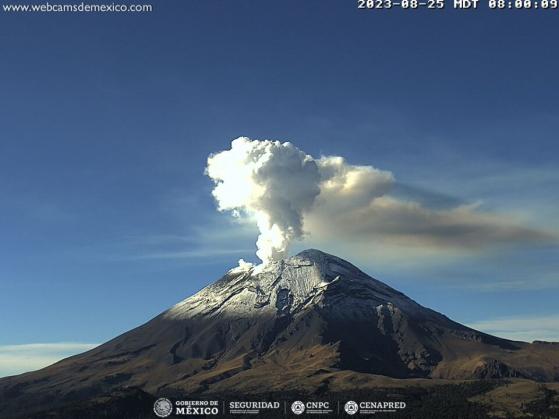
(311, 325)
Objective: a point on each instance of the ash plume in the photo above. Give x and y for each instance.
(276, 184)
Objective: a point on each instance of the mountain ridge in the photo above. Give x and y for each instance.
(299, 324)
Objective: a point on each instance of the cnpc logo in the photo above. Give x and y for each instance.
(298, 407)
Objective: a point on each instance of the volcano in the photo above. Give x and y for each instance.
(309, 323)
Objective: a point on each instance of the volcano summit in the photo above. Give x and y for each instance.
(309, 323)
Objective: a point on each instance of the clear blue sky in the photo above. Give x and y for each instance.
(106, 217)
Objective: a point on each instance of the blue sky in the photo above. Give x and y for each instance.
(106, 217)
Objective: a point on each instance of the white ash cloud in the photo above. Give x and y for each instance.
(289, 194)
(277, 184)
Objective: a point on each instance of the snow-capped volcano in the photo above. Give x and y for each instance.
(310, 280)
(299, 324)
(315, 298)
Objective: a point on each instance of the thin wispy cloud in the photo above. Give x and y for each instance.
(524, 328)
(215, 237)
(526, 191)
(16, 359)
(531, 284)
(195, 254)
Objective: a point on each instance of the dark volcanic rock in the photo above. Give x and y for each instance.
(493, 368)
(312, 323)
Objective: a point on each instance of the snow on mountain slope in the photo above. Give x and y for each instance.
(292, 285)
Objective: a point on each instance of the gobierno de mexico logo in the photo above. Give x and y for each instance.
(163, 407)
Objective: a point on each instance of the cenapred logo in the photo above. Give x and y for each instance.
(298, 407)
(163, 407)
(372, 407)
(351, 408)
